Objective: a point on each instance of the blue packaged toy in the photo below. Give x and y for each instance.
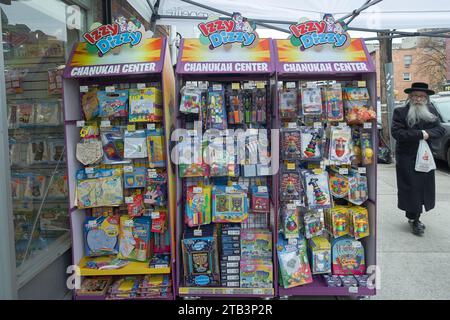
(216, 113)
(101, 236)
(136, 178)
(113, 104)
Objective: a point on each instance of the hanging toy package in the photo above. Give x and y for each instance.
(145, 105)
(135, 178)
(235, 109)
(311, 101)
(358, 190)
(311, 144)
(247, 101)
(113, 145)
(290, 144)
(134, 238)
(290, 218)
(113, 104)
(156, 191)
(366, 148)
(313, 221)
(337, 221)
(359, 217)
(35, 186)
(47, 113)
(135, 205)
(290, 183)
(90, 104)
(190, 157)
(155, 148)
(338, 184)
(288, 104)
(341, 145)
(135, 144)
(198, 206)
(159, 222)
(229, 204)
(190, 100)
(260, 105)
(221, 156)
(334, 103)
(216, 113)
(101, 236)
(357, 105)
(317, 190)
(90, 150)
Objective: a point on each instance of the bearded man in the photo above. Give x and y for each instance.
(415, 121)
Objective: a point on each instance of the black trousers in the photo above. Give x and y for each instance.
(413, 215)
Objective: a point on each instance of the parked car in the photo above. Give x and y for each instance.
(441, 147)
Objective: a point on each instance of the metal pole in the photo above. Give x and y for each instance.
(389, 71)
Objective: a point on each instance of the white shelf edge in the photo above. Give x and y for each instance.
(32, 267)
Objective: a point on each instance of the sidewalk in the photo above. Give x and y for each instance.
(413, 267)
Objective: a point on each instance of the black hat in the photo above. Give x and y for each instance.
(419, 86)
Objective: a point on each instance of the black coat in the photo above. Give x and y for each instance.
(415, 189)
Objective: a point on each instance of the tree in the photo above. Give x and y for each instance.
(432, 61)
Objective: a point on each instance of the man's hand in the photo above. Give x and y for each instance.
(425, 135)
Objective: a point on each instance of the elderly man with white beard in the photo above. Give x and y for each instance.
(416, 120)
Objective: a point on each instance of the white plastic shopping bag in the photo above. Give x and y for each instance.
(424, 158)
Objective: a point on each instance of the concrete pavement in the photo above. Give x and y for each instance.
(413, 267)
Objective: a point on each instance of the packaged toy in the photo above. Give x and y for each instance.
(155, 148)
(57, 188)
(357, 146)
(136, 206)
(348, 257)
(358, 112)
(256, 274)
(236, 108)
(38, 152)
(290, 183)
(216, 113)
(338, 184)
(113, 145)
(136, 178)
(159, 260)
(358, 190)
(35, 186)
(259, 97)
(290, 221)
(135, 144)
(89, 151)
(134, 238)
(229, 204)
(288, 104)
(113, 104)
(256, 244)
(25, 114)
(311, 144)
(200, 258)
(156, 191)
(311, 101)
(313, 221)
(359, 217)
(260, 199)
(334, 104)
(348, 281)
(341, 146)
(191, 100)
(320, 252)
(333, 280)
(290, 144)
(124, 288)
(190, 158)
(95, 286)
(47, 113)
(293, 263)
(247, 98)
(366, 149)
(159, 222)
(89, 104)
(317, 190)
(198, 206)
(101, 236)
(337, 221)
(145, 105)
(350, 93)
(100, 189)
(221, 156)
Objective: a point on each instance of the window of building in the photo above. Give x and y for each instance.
(407, 60)
(406, 76)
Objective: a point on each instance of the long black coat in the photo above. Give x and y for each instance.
(415, 189)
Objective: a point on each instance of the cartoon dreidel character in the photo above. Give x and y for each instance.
(320, 197)
(290, 185)
(310, 150)
(340, 146)
(292, 145)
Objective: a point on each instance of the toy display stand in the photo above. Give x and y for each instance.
(351, 64)
(127, 67)
(198, 64)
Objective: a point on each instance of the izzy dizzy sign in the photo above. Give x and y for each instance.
(312, 33)
(222, 32)
(110, 36)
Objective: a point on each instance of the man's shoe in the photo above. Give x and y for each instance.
(416, 228)
(411, 221)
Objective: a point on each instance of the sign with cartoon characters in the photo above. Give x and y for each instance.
(310, 33)
(216, 32)
(107, 37)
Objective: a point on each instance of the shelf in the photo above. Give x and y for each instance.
(320, 288)
(133, 268)
(93, 297)
(226, 292)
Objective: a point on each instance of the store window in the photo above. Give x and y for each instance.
(137, 12)
(406, 76)
(37, 37)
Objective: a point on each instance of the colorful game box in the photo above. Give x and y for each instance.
(101, 236)
(348, 257)
(260, 199)
(337, 221)
(145, 105)
(134, 238)
(230, 204)
(113, 104)
(256, 244)
(256, 274)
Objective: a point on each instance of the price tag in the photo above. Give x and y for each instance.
(317, 171)
(197, 190)
(160, 266)
(236, 86)
(342, 124)
(129, 223)
(84, 88)
(110, 89)
(290, 85)
(230, 190)
(128, 169)
(263, 189)
(298, 203)
(89, 170)
(234, 258)
(353, 290)
(141, 85)
(105, 124)
(291, 206)
(311, 85)
(356, 244)
(292, 125)
(367, 125)
(80, 123)
(292, 241)
(260, 85)
(192, 133)
(92, 224)
(258, 291)
(290, 166)
(152, 174)
(151, 126)
(155, 215)
(362, 170)
(128, 200)
(228, 291)
(343, 170)
(217, 87)
(197, 232)
(317, 125)
(203, 85)
(362, 84)
(247, 86)
(131, 127)
(234, 232)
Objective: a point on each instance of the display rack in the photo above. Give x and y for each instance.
(128, 67)
(327, 63)
(237, 66)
